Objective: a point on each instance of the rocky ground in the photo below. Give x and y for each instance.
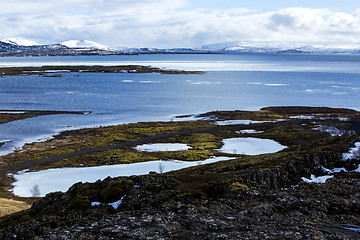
(307, 211)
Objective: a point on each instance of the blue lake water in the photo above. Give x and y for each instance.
(245, 82)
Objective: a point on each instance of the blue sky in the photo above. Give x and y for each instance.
(185, 23)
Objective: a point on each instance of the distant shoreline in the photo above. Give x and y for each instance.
(46, 70)
(13, 115)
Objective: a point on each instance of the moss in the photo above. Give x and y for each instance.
(115, 189)
(238, 186)
(80, 202)
(285, 176)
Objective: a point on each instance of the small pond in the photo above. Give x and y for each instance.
(250, 146)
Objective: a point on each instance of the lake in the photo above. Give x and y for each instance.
(230, 82)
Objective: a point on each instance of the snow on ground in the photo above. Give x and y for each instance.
(313, 179)
(162, 147)
(250, 146)
(12, 112)
(249, 131)
(353, 153)
(116, 204)
(60, 179)
(235, 122)
(333, 131)
(334, 170)
(302, 117)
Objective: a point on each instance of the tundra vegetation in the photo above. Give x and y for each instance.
(247, 183)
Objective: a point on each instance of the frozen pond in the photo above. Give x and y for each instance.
(162, 147)
(60, 179)
(250, 146)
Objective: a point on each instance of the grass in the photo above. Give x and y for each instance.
(76, 140)
(9, 206)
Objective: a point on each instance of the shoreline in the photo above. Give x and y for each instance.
(13, 115)
(2, 143)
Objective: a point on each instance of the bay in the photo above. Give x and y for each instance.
(230, 82)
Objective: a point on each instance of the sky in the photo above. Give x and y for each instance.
(184, 23)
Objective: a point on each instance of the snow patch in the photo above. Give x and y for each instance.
(116, 204)
(250, 146)
(353, 153)
(249, 131)
(320, 179)
(236, 122)
(333, 131)
(12, 112)
(93, 204)
(162, 147)
(302, 117)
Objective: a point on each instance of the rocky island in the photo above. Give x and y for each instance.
(308, 189)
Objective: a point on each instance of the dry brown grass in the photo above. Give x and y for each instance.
(8, 206)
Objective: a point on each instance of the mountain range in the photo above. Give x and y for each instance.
(31, 47)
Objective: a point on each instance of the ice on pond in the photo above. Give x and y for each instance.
(250, 146)
(60, 179)
(162, 147)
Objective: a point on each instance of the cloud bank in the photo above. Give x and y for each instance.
(162, 23)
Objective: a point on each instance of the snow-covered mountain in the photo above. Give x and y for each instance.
(26, 41)
(84, 44)
(33, 47)
(219, 46)
(246, 47)
(275, 47)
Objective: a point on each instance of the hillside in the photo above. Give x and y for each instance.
(28, 47)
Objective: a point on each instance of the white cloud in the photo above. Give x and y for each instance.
(163, 23)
